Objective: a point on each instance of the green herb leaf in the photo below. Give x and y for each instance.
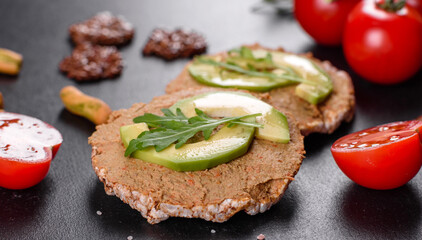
(253, 73)
(246, 53)
(242, 54)
(172, 128)
(169, 119)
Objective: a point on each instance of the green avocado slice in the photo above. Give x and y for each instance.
(231, 104)
(212, 76)
(223, 146)
(317, 87)
(320, 84)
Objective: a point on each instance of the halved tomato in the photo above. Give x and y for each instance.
(27, 146)
(381, 157)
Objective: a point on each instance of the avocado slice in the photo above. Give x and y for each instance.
(129, 132)
(319, 84)
(223, 146)
(317, 87)
(213, 76)
(231, 104)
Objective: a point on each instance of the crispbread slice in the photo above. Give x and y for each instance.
(251, 183)
(322, 118)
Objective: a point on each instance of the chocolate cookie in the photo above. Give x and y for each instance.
(174, 44)
(92, 62)
(102, 29)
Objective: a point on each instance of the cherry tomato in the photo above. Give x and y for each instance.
(383, 47)
(324, 19)
(417, 4)
(382, 157)
(27, 146)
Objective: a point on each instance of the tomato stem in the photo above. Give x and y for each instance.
(391, 5)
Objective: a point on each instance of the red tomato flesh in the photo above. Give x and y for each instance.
(27, 146)
(382, 157)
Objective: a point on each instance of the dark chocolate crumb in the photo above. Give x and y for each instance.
(102, 29)
(92, 62)
(174, 44)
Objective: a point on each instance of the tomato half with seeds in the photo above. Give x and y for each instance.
(381, 157)
(27, 146)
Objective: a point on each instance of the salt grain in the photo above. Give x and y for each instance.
(99, 213)
(130, 238)
(213, 231)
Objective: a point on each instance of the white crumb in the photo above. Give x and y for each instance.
(99, 213)
(213, 231)
(130, 238)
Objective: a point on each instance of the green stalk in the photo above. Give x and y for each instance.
(391, 5)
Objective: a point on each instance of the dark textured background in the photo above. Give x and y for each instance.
(320, 204)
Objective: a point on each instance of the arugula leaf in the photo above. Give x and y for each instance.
(172, 128)
(235, 68)
(245, 53)
(169, 119)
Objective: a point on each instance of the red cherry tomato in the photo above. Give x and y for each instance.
(383, 47)
(417, 4)
(27, 146)
(382, 157)
(324, 19)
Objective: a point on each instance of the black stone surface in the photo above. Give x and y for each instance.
(321, 203)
